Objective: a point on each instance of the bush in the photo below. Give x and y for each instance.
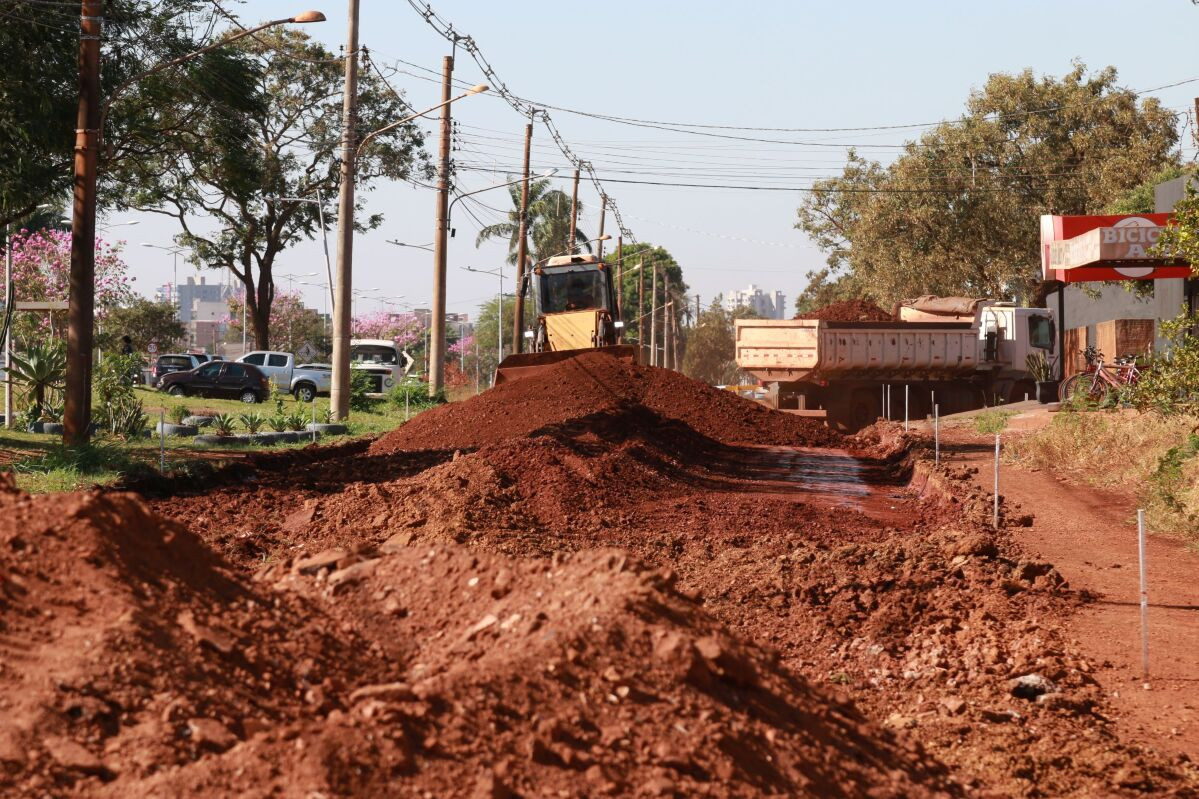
(1170, 385)
(253, 422)
(178, 413)
(126, 417)
(223, 424)
(112, 390)
(296, 421)
(360, 386)
(278, 422)
(415, 394)
(992, 421)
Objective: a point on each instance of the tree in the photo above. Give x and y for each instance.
(405, 329)
(292, 324)
(633, 256)
(41, 264)
(143, 321)
(486, 335)
(290, 150)
(957, 212)
(711, 345)
(39, 92)
(547, 227)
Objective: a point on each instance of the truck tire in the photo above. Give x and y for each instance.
(304, 392)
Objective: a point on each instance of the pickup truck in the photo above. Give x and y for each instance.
(956, 353)
(304, 382)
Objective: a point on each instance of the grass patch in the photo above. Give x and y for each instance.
(60, 468)
(1156, 457)
(992, 421)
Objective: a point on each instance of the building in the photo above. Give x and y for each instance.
(767, 306)
(204, 292)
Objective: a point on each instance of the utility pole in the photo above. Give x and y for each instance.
(522, 249)
(603, 210)
(574, 215)
(437, 335)
(81, 306)
(343, 298)
(9, 296)
(696, 322)
(653, 320)
(667, 307)
(620, 284)
(641, 309)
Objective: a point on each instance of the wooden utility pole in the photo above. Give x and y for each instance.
(696, 322)
(603, 209)
(77, 405)
(522, 249)
(437, 323)
(574, 215)
(667, 307)
(641, 309)
(653, 320)
(343, 297)
(620, 285)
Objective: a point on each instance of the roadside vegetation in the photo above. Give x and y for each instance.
(1145, 441)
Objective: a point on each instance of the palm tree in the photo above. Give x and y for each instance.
(40, 369)
(548, 223)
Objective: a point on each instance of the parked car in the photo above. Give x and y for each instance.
(219, 379)
(171, 362)
(305, 382)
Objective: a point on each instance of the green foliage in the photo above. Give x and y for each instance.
(275, 396)
(1139, 199)
(413, 396)
(253, 422)
(178, 413)
(992, 421)
(955, 213)
(547, 228)
(637, 322)
(278, 422)
(1038, 366)
(223, 424)
(329, 416)
(40, 369)
(143, 321)
(87, 459)
(125, 416)
(52, 412)
(298, 421)
(1170, 384)
(1169, 480)
(710, 347)
(116, 407)
(360, 386)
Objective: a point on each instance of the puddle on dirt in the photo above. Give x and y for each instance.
(829, 476)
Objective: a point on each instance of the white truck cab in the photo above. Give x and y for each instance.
(386, 363)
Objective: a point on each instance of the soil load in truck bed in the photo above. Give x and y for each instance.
(849, 311)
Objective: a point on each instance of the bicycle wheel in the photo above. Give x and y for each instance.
(1084, 387)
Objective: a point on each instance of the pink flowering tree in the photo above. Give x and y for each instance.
(41, 264)
(405, 329)
(292, 323)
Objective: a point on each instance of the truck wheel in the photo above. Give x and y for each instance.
(305, 392)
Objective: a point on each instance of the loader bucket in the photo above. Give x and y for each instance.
(521, 365)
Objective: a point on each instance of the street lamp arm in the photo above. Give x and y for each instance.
(304, 16)
(546, 174)
(482, 87)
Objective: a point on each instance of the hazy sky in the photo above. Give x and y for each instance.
(758, 64)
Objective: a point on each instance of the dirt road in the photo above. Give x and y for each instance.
(1091, 537)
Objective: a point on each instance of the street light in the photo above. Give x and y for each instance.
(89, 123)
(320, 212)
(339, 393)
(499, 310)
(175, 275)
(428, 247)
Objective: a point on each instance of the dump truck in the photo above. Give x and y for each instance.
(575, 310)
(957, 353)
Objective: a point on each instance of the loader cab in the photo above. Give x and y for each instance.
(573, 299)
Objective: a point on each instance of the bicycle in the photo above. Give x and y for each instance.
(1097, 382)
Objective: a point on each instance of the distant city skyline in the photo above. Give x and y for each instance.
(768, 305)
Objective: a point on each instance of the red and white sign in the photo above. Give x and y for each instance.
(1079, 249)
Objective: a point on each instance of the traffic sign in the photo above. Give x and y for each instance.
(306, 352)
(152, 347)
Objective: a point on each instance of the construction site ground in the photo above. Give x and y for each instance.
(602, 580)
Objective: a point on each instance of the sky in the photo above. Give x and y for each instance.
(764, 64)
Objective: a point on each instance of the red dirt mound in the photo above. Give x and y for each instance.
(849, 311)
(126, 647)
(585, 675)
(592, 383)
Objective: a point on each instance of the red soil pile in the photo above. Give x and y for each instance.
(592, 383)
(849, 311)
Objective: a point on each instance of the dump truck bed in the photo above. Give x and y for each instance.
(812, 349)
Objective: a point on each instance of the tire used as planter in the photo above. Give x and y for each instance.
(1047, 391)
(220, 441)
(53, 428)
(167, 428)
(197, 421)
(328, 429)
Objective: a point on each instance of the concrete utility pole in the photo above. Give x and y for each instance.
(437, 334)
(653, 320)
(620, 285)
(81, 306)
(667, 307)
(522, 249)
(574, 216)
(339, 394)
